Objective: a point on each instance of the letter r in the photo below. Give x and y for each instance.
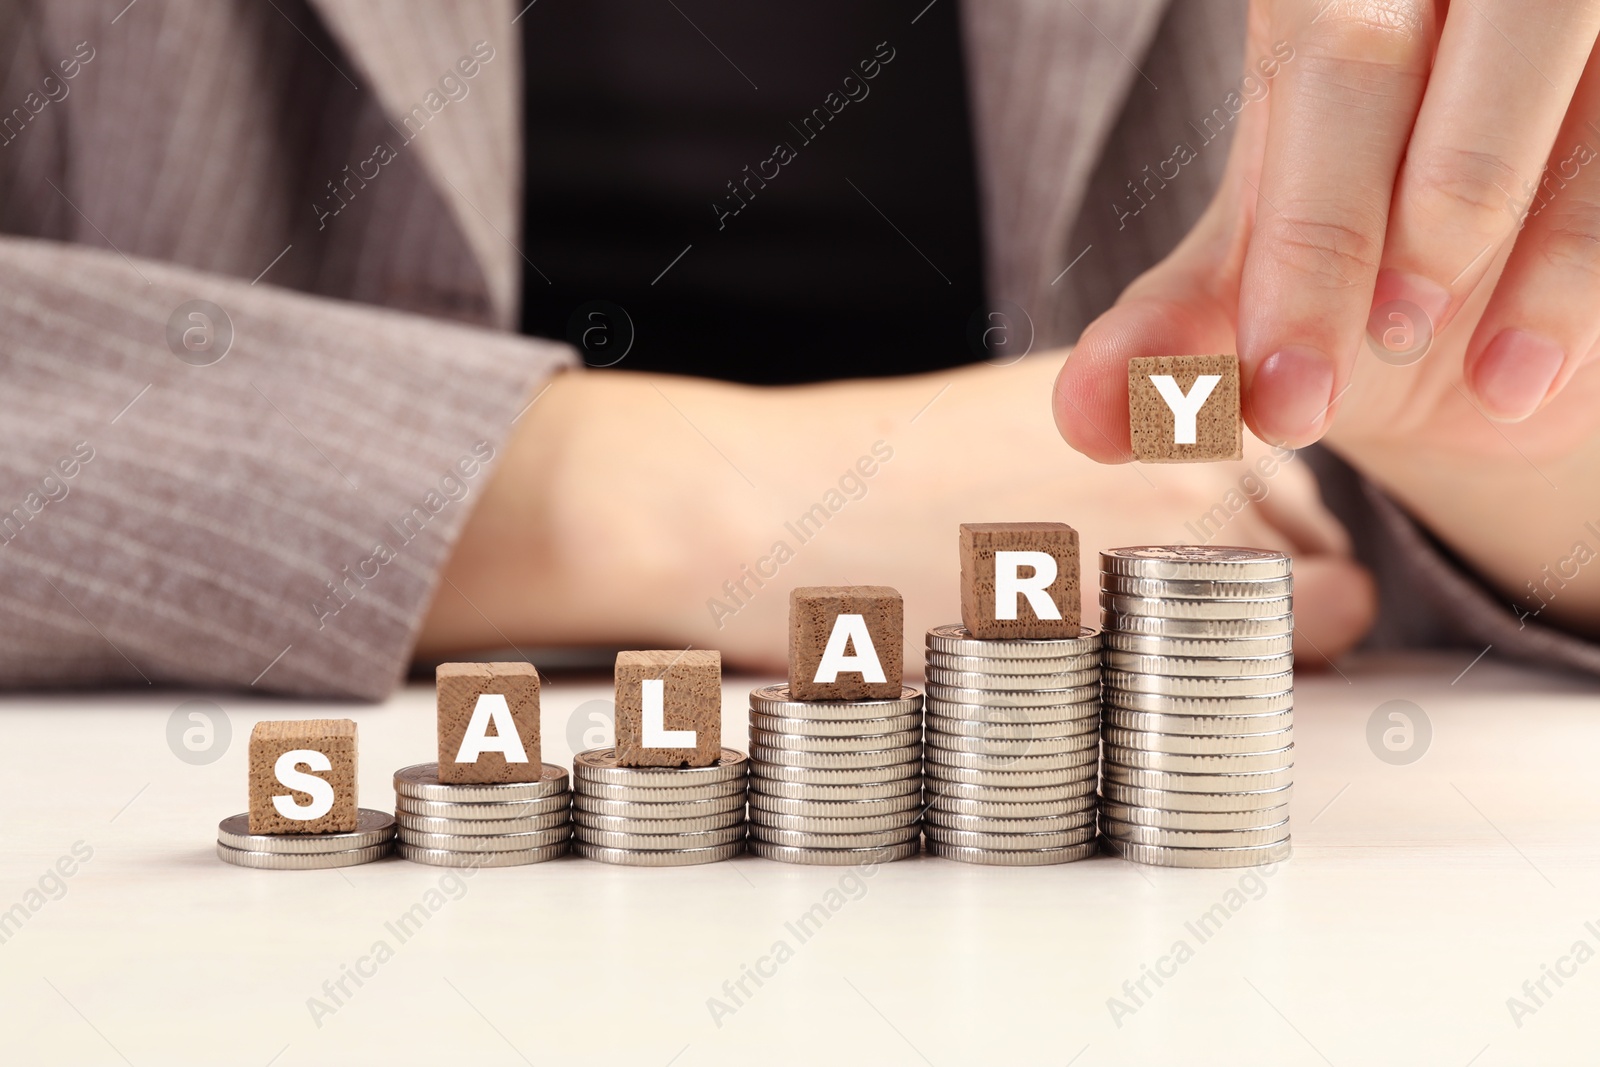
(1010, 587)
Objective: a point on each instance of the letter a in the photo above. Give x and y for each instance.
(851, 631)
(491, 708)
(1184, 408)
(1010, 586)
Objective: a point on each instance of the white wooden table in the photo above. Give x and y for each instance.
(1420, 898)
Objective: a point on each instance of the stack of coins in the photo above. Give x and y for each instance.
(1199, 692)
(1013, 735)
(491, 824)
(372, 839)
(835, 782)
(658, 816)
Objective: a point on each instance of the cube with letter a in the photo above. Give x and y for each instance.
(303, 777)
(669, 708)
(846, 642)
(1020, 580)
(488, 722)
(1184, 408)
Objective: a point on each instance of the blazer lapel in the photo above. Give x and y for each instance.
(406, 53)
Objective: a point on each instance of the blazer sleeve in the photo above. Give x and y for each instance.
(212, 483)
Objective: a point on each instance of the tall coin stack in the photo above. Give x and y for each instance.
(658, 816)
(1013, 740)
(499, 824)
(835, 782)
(1199, 695)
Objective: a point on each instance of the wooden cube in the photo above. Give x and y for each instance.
(862, 626)
(301, 768)
(1020, 580)
(660, 694)
(1168, 421)
(500, 704)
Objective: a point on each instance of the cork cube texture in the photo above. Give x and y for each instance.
(1003, 565)
(816, 612)
(1179, 427)
(490, 757)
(334, 740)
(691, 694)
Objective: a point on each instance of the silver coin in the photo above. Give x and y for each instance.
(778, 724)
(1030, 683)
(301, 861)
(600, 765)
(834, 857)
(1208, 610)
(937, 793)
(1016, 779)
(372, 828)
(956, 640)
(848, 776)
(1197, 563)
(1161, 856)
(658, 842)
(1156, 835)
(689, 857)
(655, 794)
(507, 809)
(1085, 661)
(1014, 857)
(1181, 647)
(835, 761)
(802, 743)
(486, 842)
(978, 824)
(1001, 809)
(1012, 698)
(421, 781)
(426, 825)
(1186, 782)
(1194, 820)
(910, 804)
(1087, 756)
(1000, 714)
(955, 733)
(1167, 800)
(1009, 842)
(1199, 725)
(816, 824)
(1014, 746)
(1196, 588)
(1188, 763)
(822, 791)
(1199, 667)
(1198, 744)
(632, 809)
(797, 839)
(1216, 629)
(620, 824)
(439, 857)
(775, 700)
(1166, 685)
(1170, 705)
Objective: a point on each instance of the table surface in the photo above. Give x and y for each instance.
(1419, 900)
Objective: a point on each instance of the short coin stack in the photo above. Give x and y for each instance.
(658, 816)
(372, 839)
(1013, 740)
(492, 824)
(1199, 693)
(835, 782)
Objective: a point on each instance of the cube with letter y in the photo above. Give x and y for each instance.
(669, 708)
(1184, 408)
(488, 722)
(303, 777)
(1020, 580)
(846, 642)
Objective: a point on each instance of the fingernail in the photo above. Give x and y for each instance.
(1515, 373)
(1291, 394)
(1407, 311)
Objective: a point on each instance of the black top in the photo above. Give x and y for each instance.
(773, 192)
